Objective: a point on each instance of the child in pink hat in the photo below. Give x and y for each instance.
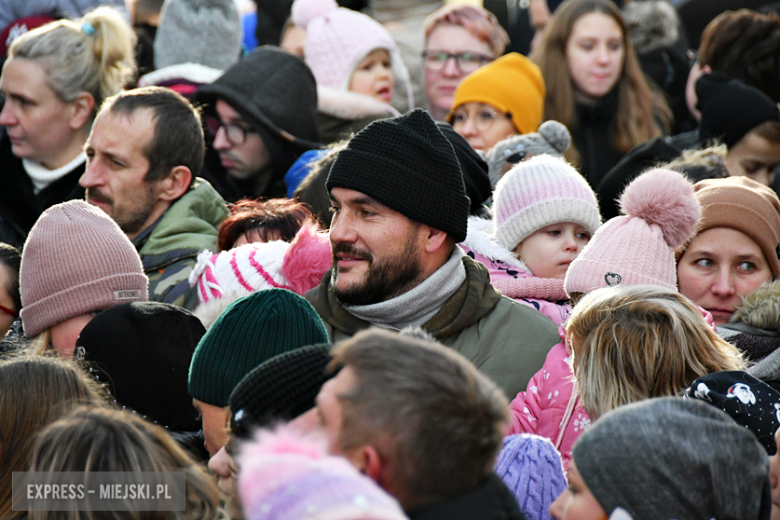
(356, 64)
(544, 214)
(660, 214)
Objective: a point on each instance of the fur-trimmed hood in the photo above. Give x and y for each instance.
(761, 308)
(351, 106)
(652, 24)
(479, 238)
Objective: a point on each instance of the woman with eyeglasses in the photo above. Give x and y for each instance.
(596, 87)
(459, 39)
(499, 100)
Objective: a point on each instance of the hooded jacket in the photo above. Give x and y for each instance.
(170, 247)
(506, 341)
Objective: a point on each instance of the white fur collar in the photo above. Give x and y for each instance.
(194, 72)
(479, 239)
(350, 105)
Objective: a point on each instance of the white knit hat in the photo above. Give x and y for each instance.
(540, 192)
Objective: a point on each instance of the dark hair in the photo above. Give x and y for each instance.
(435, 420)
(746, 46)
(178, 135)
(274, 219)
(11, 258)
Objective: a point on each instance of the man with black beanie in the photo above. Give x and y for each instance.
(399, 209)
(261, 116)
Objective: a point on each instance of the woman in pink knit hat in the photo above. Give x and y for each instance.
(660, 214)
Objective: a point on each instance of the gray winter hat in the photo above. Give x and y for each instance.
(670, 458)
(207, 32)
(552, 138)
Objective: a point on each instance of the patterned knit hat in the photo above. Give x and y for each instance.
(279, 389)
(252, 330)
(660, 214)
(408, 165)
(337, 39)
(224, 277)
(699, 463)
(540, 192)
(286, 477)
(76, 260)
(553, 138)
(747, 206)
(207, 32)
(752, 403)
(142, 350)
(513, 84)
(532, 469)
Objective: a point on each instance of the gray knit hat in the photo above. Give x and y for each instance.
(552, 138)
(76, 260)
(670, 458)
(207, 32)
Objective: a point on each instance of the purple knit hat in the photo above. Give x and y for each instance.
(532, 469)
(542, 191)
(76, 260)
(660, 214)
(286, 477)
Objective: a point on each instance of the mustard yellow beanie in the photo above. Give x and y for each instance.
(513, 84)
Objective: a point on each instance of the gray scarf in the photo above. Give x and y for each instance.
(415, 307)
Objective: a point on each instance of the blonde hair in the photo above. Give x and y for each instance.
(35, 391)
(635, 342)
(96, 440)
(94, 54)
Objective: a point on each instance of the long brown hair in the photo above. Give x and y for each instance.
(35, 391)
(640, 106)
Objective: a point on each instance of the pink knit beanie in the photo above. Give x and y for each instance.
(660, 214)
(76, 260)
(542, 191)
(286, 477)
(337, 39)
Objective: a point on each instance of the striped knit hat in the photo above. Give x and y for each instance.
(542, 191)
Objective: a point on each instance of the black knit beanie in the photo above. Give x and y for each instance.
(142, 351)
(474, 168)
(408, 165)
(274, 90)
(730, 109)
(280, 389)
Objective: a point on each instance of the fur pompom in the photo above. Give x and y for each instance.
(308, 259)
(556, 134)
(304, 11)
(664, 198)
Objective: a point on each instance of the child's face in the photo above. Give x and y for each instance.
(374, 76)
(576, 502)
(549, 251)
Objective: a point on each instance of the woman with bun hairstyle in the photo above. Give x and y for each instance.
(595, 86)
(54, 81)
(501, 99)
(659, 214)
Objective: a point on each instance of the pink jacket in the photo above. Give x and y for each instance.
(550, 406)
(512, 277)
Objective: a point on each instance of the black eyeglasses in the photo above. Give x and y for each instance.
(235, 134)
(467, 62)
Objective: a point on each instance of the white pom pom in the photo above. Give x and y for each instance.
(664, 198)
(304, 11)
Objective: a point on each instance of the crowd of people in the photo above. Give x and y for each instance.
(363, 260)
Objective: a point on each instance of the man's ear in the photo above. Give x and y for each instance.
(81, 110)
(175, 185)
(435, 239)
(368, 461)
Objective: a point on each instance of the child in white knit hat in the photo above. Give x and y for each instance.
(356, 64)
(544, 213)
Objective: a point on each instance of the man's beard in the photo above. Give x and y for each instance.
(129, 220)
(384, 280)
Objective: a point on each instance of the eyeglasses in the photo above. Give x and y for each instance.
(234, 133)
(483, 119)
(467, 62)
(10, 312)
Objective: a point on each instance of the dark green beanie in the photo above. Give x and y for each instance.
(250, 331)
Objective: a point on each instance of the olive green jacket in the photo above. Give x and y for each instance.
(505, 340)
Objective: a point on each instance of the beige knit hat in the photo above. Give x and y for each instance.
(76, 260)
(745, 205)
